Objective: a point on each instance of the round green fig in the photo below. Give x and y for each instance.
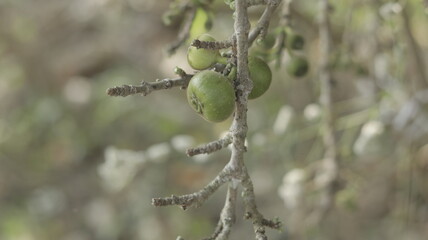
(268, 42)
(297, 66)
(294, 41)
(211, 95)
(261, 76)
(200, 58)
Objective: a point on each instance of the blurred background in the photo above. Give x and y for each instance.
(76, 164)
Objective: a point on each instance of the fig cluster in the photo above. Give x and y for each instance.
(211, 94)
(297, 66)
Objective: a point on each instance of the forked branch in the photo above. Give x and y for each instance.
(235, 171)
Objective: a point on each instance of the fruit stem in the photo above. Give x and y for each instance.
(222, 60)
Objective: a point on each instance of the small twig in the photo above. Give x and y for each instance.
(212, 45)
(263, 23)
(217, 231)
(251, 3)
(227, 216)
(211, 147)
(147, 87)
(415, 50)
(259, 222)
(284, 22)
(274, 224)
(329, 165)
(197, 198)
(184, 32)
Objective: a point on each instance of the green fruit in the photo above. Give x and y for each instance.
(211, 95)
(201, 58)
(202, 22)
(268, 42)
(261, 76)
(295, 41)
(264, 48)
(297, 66)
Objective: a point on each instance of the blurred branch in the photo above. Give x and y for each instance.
(256, 2)
(329, 165)
(259, 222)
(227, 216)
(285, 21)
(415, 49)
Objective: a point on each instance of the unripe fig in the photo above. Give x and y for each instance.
(294, 41)
(297, 66)
(201, 58)
(261, 76)
(268, 42)
(211, 95)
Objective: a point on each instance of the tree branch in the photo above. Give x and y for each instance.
(329, 165)
(147, 87)
(197, 198)
(415, 49)
(184, 32)
(256, 2)
(211, 147)
(259, 222)
(263, 23)
(212, 45)
(284, 22)
(227, 216)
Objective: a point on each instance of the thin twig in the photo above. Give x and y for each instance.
(251, 207)
(263, 23)
(211, 45)
(195, 199)
(284, 22)
(147, 87)
(251, 3)
(274, 224)
(329, 165)
(227, 216)
(415, 50)
(184, 32)
(211, 147)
